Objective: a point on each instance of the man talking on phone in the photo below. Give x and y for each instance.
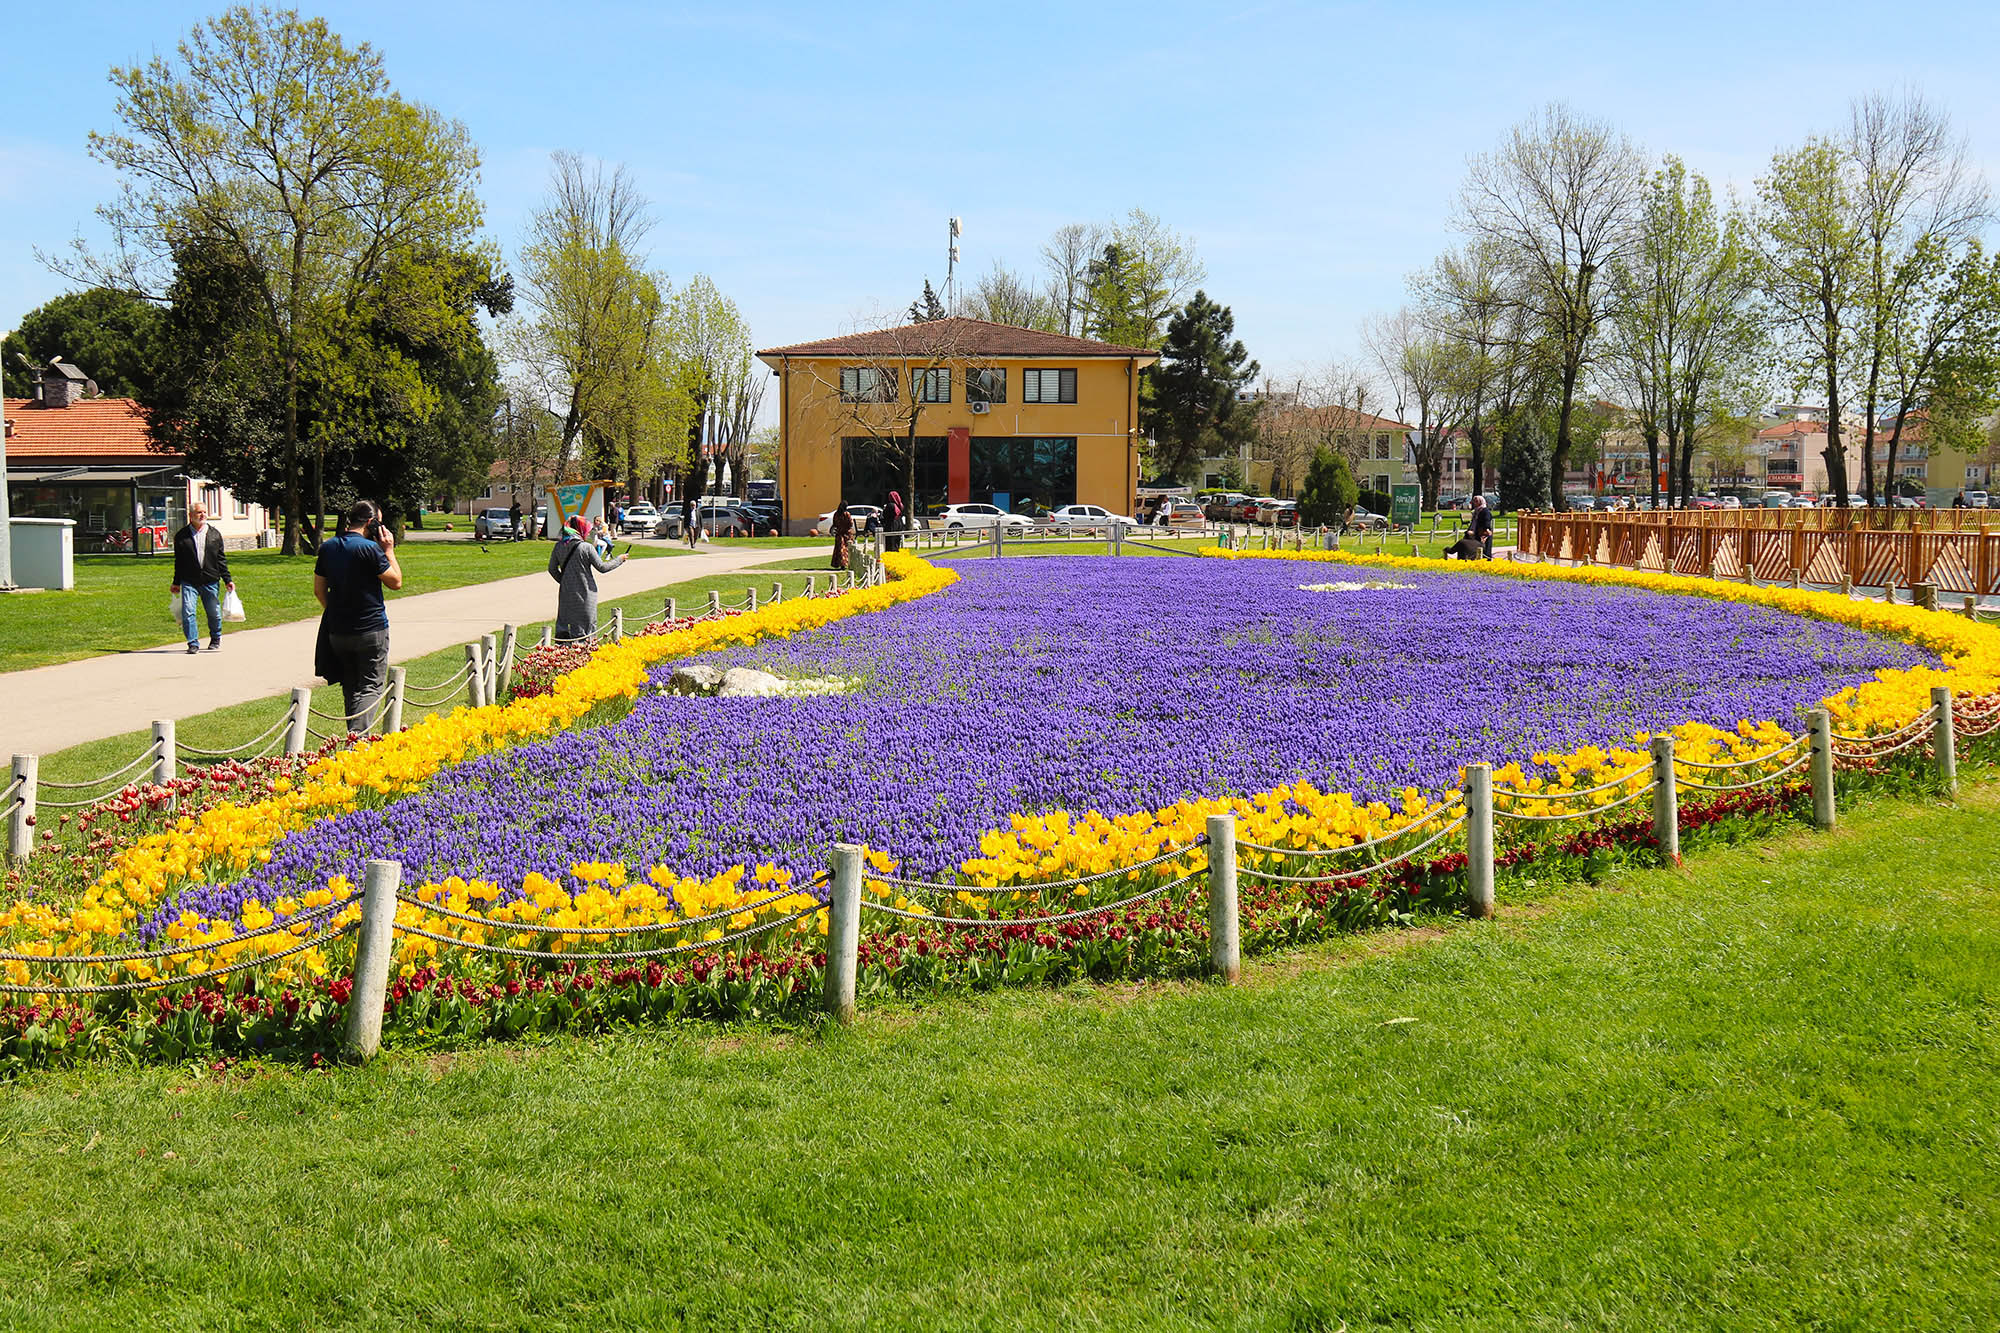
(348, 580)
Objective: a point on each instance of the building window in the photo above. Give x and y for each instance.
(931, 386)
(239, 508)
(866, 384)
(1382, 445)
(985, 386)
(871, 468)
(1011, 471)
(1048, 386)
(1382, 482)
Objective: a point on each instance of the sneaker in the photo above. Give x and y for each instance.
(194, 647)
(214, 644)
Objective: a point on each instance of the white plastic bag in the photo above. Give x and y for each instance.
(232, 605)
(174, 604)
(704, 534)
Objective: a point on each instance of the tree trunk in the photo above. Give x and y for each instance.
(1559, 463)
(294, 495)
(1835, 455)
(1653, 465)
(1475, 434)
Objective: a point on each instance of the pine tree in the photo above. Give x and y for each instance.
(926, 307)
(1524, 463)
(1194, 409)
(1330, 491)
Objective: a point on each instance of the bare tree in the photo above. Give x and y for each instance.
(1556, 203)
(1066, 259)
(1003, 296)
(1464, 300)
(1918, 205)
(1430, 375)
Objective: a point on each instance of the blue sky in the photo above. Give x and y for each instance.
(807, 157)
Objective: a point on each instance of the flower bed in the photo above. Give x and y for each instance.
(1011, 732)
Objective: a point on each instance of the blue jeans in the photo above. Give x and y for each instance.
(211, 602)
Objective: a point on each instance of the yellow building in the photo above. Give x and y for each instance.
(993, 413)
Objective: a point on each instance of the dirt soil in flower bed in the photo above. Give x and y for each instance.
(1083, 684)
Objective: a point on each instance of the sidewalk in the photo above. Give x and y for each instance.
(51, 708)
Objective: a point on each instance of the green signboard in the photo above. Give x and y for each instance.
(1403, 504)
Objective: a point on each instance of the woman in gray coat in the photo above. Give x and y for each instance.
(575, 564)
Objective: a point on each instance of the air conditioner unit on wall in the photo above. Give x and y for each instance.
(980, 409)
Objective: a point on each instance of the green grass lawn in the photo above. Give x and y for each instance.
(1759, 1093)
(120, 602)
(231, 726)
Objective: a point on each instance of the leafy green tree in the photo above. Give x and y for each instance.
(112, 336)
(1330, 491)
(1196, 407)
(1524, 463)
(267, 136)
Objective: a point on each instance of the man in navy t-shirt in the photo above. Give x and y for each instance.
(348, 579)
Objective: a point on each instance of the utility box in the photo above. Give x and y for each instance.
(44, 552)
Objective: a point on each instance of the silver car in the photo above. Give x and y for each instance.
(493, 525)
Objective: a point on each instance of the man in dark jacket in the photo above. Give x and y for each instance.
(201, 570)
(348, 579)
(1482, 526)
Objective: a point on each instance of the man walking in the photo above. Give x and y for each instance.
(514, 525)
(348, 580)
(201, 570)
(1482, 526)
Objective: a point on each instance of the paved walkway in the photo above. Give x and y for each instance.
(51, 708)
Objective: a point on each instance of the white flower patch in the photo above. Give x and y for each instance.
(1371, 585)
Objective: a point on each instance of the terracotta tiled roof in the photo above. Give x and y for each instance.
(1792, 428)
(966, 337)
(91, 430)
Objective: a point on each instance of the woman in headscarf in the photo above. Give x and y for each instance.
(575, 564)
(893, 523)
(843, 535)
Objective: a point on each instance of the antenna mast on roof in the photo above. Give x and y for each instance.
(950, 266)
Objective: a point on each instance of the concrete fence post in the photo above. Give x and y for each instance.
(1971, 607)
(548, 636)
(1798, 580)
(1225, 947)
(166, 752)
(374, 951)
(617, 624)
(1666, 801)
(996, 539)
(778, 591)
(1847, 587)
(489, 668)
(714, 602)
(21, 810)
(1479, 841)
(812, 585)
(505, 679)
(295, 733)
(1819, 729)
(750, 597)
(1944, 744)
(843, 932)
(1924, 595)
(392, 720)
(672, 610)
(474, 678)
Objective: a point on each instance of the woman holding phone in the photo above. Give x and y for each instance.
(575, 564)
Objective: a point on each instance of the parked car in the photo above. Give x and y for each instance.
(1454, 502)
(1908, 502)
(1174, 512)
(1978, 500)
(975, 515)
(725, 520)
(493, 525)
(1222, 508)
(1088, 518)
(1729, 502)
(640, 520)
(1366, 521)
(861, 513)
(1278, 513)
(1245, 510)
(1777, 500)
